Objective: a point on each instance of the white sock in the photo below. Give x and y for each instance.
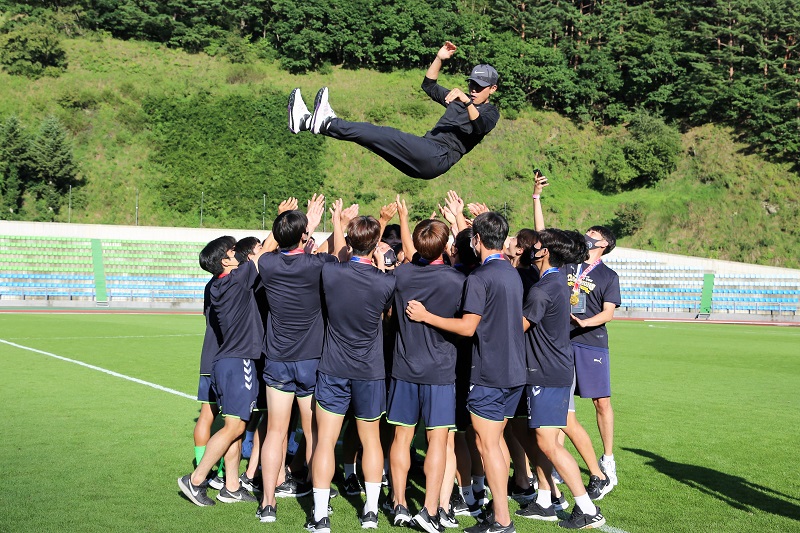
(466, 493)
(544, 498)
(586, 505)
(349, 470)
(321, 497)
(373, 491)
(607, 457)
(478, 483)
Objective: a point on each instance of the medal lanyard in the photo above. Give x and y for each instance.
(424, 261)
(548, 271)
(296, 251)
(362, 260)
(493, 257)
(576, 287)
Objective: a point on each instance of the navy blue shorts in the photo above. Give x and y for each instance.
(205, 392)
(293, 377)
(236, 386)
(494, 403)
(592, 371)
(367, 398)
(435, 404)
(547, 406)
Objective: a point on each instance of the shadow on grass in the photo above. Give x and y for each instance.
(736, 491)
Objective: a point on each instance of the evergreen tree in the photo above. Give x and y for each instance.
(53, 169)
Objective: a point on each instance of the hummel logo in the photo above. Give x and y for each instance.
(598, 361)
(537, 391)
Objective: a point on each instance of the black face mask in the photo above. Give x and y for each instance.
(591, 243)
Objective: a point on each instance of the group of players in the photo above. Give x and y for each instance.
(481, 338)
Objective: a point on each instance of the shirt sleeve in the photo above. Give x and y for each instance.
(474, 296)
(245, 274)
(486, 121)
(535, 305)
(434, 90)
(612, 292)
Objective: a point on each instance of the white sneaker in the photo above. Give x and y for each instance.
(557, 478)
(322, 112)
(609, 468)
(299, 115)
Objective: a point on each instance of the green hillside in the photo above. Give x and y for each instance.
(137, 112)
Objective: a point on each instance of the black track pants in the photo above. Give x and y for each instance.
(414, 156)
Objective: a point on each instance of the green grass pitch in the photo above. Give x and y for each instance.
(708, 424)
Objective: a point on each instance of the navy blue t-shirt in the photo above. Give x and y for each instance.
(424, 354)
(212, 338)
(295, 327)
(548, 349)
(529, 276)
(601, 285)
(494, 291)
(234, 312)
(356, 295)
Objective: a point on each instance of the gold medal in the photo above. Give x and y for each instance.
(573, 299)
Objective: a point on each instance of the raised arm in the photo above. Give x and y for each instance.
(387, 213)
(540, 182)
(445, 52)
(456, 206)
(405, 231)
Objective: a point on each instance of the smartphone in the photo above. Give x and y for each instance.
(389, 258)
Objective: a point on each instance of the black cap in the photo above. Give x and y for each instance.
(483, 75)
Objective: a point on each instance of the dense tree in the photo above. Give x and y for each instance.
(32, 50)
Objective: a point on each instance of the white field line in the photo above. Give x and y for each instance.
(99, 369)
(107, 337)
(606, 528)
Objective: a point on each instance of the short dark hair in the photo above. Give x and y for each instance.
(391, 236)
(430, 238)
(244, 247)
(465, 252)
(526, 238)
(289, 228)
(492, 228)
(608, 236)
(364, 233)
(563, 246)
(214, 252)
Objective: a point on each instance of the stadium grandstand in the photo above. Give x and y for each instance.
(134, 267)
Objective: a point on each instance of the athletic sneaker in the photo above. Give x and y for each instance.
(369, 520)
(521, 495)
(480, 496)
(351, 486)
(239, 495)
(251, 484)
(299, 115)
(560, 503)
(579, 520)
(323, 525)
(537, 512)
(557, 477)
(447, 520)
(401, 515)
(217, 482)
(292, 488)
(266, 513)
(385, 481)
(424, 520)
(322, 112)
(196, 494)
(497, 528)
(480, 527)
(609, 468)
(460, 508)
(597, 488)
(334, 493)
